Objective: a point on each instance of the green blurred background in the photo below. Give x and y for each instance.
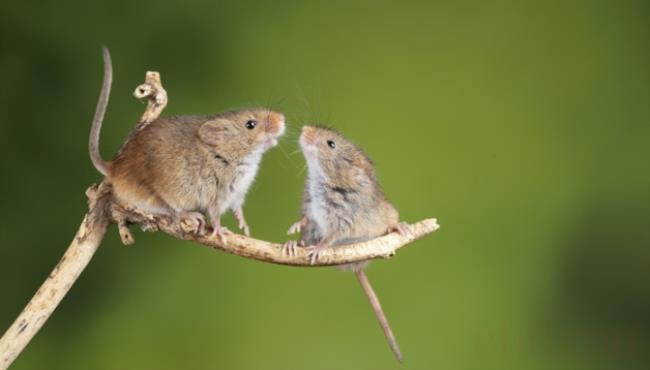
(522, 126)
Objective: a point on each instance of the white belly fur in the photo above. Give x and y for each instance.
(243, 180)
(317, 211)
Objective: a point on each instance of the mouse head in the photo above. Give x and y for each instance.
(332, 156)
(243, 132)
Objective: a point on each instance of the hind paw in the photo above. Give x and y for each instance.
(192, 222)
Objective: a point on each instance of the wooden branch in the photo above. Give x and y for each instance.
(65, 273)
(104, 210)
(382, 247)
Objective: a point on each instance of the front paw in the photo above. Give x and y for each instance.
(290, 248)
(314, 253)
(241, 220)
(244, 226)
(295, 228)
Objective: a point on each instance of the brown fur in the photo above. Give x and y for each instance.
(189, 163)
(187, 166)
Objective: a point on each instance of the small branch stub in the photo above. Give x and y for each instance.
(155, 94)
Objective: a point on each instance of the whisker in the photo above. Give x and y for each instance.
(302, 170)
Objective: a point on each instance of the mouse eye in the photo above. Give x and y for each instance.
(331, 143)
(250, 124)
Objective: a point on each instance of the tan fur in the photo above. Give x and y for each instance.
(183, 164)
(187, 166)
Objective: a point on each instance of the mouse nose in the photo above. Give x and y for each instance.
(276, 122)
(308, 135)
(276, 118)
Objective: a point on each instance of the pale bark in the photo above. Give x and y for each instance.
(63, 276)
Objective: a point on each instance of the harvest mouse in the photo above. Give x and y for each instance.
(342, 204)
(188, 166)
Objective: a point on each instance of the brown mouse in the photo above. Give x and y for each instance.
(342, 204)
(188, 166)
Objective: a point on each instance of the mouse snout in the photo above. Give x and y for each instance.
(308, 135)
(275, 123)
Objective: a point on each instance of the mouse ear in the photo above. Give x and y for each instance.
(216, 132)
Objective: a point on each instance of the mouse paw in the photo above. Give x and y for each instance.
(314, 252)
(290, 248)
(403, 228)
(244, 226)
(220, 232)
(239, 215)
(192, 222)
(295, 228)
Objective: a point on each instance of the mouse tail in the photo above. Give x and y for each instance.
(100, 111)
(376, 306)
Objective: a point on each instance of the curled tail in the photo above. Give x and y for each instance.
(93, 143)
(376, 306)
